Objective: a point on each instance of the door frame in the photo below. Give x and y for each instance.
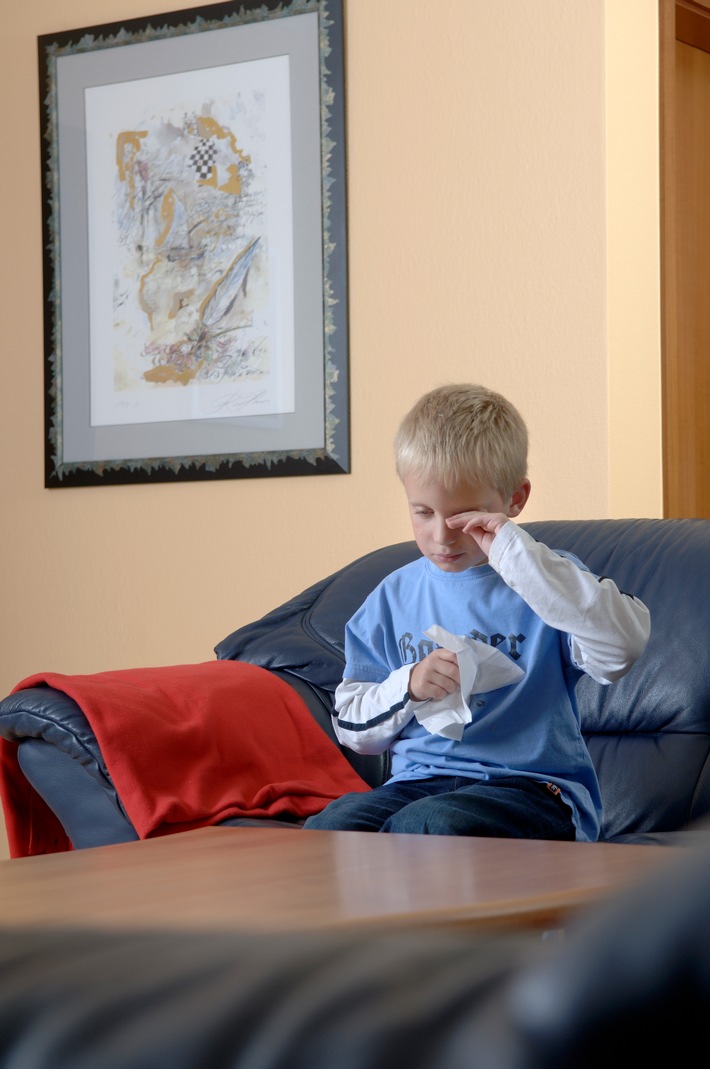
(687, 21)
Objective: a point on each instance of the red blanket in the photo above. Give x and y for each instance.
(187, 746)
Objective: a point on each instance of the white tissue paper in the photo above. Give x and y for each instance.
(481, 668)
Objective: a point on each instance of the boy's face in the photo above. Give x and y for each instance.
(431, 504)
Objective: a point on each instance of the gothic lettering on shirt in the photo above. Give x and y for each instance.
(411, 652)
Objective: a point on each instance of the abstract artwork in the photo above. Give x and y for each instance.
(195, 273)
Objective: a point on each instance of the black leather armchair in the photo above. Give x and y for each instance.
(629, 984)
(649, 734)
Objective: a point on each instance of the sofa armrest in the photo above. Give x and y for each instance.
(60, 757)
(49, 714)
(90, 813)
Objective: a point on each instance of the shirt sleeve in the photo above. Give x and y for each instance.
(368, 716)
(608, 629)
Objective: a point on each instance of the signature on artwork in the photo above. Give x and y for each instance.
(239, 400)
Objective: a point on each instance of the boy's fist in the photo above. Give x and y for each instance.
(434, 677)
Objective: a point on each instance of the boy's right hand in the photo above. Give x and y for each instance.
(434, 677)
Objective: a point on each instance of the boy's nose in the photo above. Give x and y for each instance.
(444, 535)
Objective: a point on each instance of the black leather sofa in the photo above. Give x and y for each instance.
(649, 734)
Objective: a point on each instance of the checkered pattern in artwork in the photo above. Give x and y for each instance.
(202, 158)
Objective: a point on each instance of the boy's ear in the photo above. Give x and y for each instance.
(519, 498)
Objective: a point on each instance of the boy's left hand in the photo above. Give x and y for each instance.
(482, 526)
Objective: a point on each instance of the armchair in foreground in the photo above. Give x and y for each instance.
(629, 983)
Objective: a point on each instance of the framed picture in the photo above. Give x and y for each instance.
(194, 225)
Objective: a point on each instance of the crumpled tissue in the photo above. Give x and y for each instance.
(481, 668)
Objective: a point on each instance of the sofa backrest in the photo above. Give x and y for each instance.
(302, 640)
(648, 734)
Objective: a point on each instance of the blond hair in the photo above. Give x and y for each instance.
(463, 433)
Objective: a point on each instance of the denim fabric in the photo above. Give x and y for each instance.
(513, 808)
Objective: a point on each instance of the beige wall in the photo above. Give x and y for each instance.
(632, 255)
(503, 227)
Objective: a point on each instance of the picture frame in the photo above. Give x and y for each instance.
(195, 246)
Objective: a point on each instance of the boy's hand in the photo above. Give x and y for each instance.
(434, 677)
(482, 526)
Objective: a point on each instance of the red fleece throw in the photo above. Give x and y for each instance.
(188, 746)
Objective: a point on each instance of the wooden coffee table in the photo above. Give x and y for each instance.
(276, 879)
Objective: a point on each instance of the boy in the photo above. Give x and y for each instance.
(519, 768)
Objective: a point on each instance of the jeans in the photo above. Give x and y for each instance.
(512, 807)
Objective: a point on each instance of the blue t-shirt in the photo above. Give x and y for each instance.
(530, 728)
